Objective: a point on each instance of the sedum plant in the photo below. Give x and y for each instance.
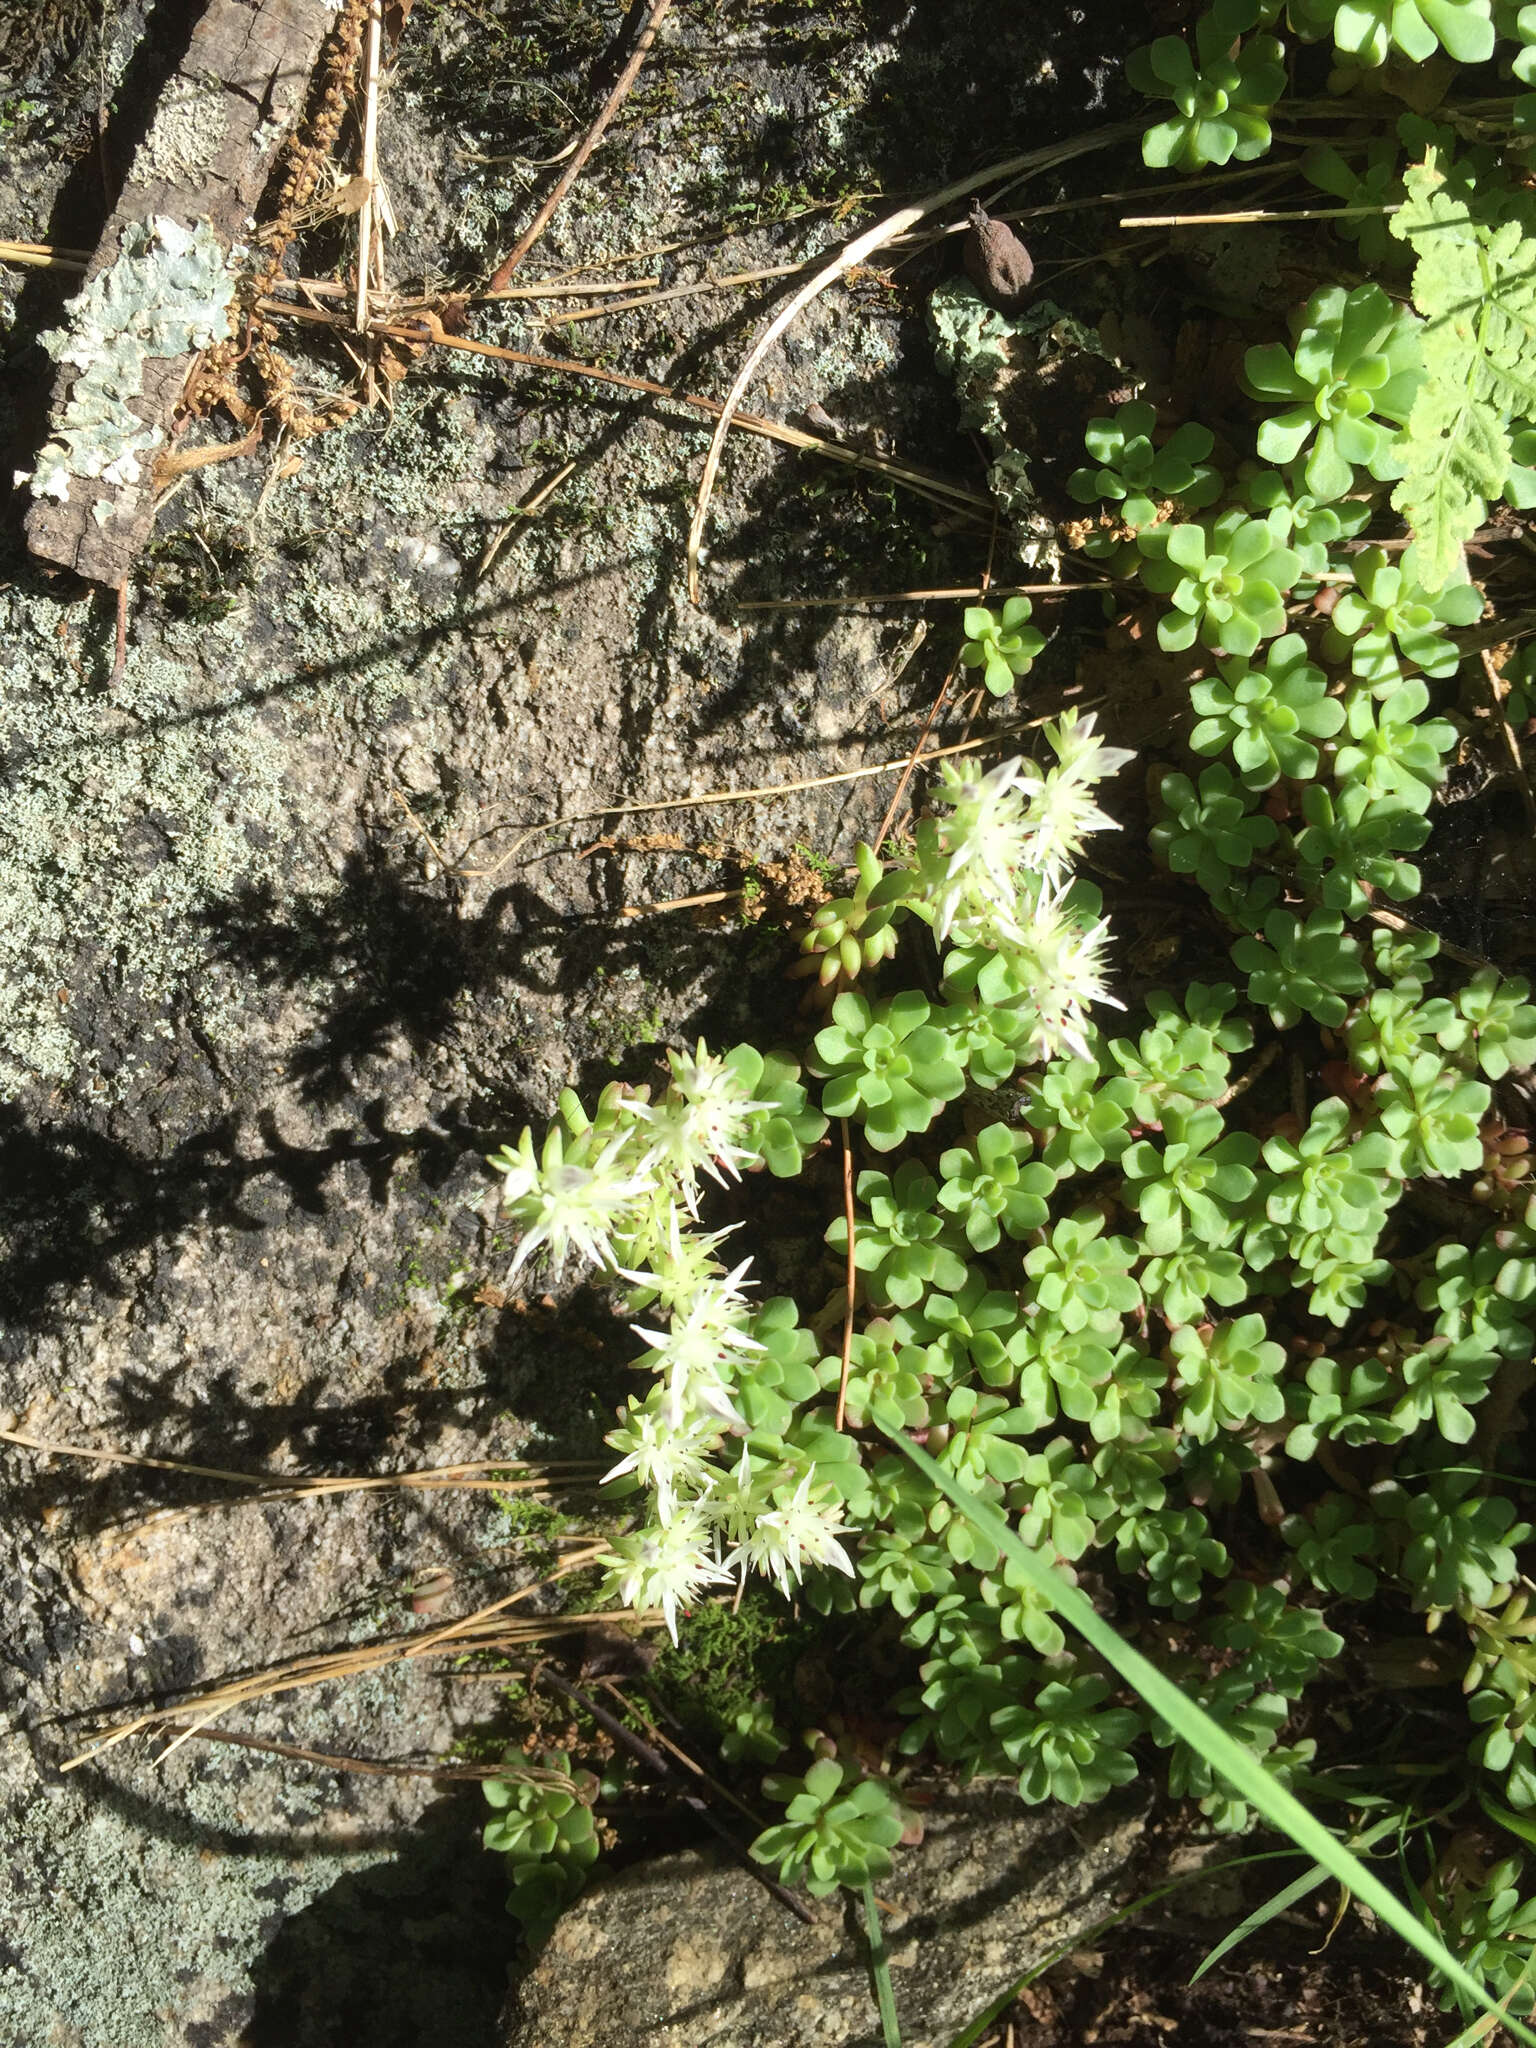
(1223, 579)
(838, 1829)
(1182, 1304)
(1003, 646)
(1271, 717)
(1347, 383)
(1387, 619)
(543, 1827)
(1136, 473)
(1221, 95)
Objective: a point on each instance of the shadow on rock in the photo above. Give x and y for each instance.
(80, 1201)
(410, 1951)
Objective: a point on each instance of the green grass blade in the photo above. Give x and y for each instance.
(1261, 1916)
(1283, 1900)
(970, 2034)
(1517, 1824)
(1241, 1769)
(880, 1970)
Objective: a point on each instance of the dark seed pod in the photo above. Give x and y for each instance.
(997, 262)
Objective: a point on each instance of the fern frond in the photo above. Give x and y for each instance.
(1474, 282)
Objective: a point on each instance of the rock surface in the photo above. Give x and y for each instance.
(254, 1045)
(685, 1952)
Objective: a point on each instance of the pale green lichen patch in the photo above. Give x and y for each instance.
(132, 816)
(168, 293)
(190, 123)
(122, 821)
(985, 351)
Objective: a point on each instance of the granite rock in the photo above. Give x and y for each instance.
(690, 1952)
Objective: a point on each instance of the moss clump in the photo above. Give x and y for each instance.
(728, 1658)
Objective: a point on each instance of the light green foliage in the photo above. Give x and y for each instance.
(783, 1367)
(1433, 1113)
(1068, 1744)
(1352, 842)
(1081, 1119)
(889, 1064)
(783, 1126)
(1474, 282)
(1347, 1403)
(1308, 524)
(1227, 1374)
(853, 933)
(1211, 831)
(883, 1387)
(1349, 381)
(1082, 1280)
(1183, 1282)
(1254, 1716)
(1220, 100)
(1484, 1292)
(1455, 1545)
(1331, 1189)
(1182, 1060)
(1269, 717)
(1058, 1499)
(989, 1188)
(1494, 1024)
(543, 1826)
(1443, 1382)
(1197, 1183)
(901, 1245)
(1297, 967)
(1492, 1927)
(1520, 23)
(1389, 749)
(1501, 1684)
(1225, 579)
(1393, 1026)
(1369, 30)
(753, 1737)
(1134, 473)
(1388, 619)
(838, 1829)
(1003, 648)
(1281, 1646)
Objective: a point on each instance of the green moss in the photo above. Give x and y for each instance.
(729, 1657)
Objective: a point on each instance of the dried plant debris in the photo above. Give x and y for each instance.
(997, 262)
(168, 293)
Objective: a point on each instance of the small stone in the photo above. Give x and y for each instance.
(997, 262)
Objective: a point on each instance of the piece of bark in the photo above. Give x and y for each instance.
(217, 128)
(997, 262)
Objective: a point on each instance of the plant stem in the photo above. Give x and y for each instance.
(880, 1970)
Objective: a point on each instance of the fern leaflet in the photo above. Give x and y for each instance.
(1475, 285)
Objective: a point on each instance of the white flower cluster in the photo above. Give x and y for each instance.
(993, 865)
(621, 1189)
(991, 872)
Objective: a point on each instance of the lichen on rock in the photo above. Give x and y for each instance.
(986, 352)
(168, 293)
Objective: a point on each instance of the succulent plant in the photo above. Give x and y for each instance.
(1221, 99)
(1349, 381)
